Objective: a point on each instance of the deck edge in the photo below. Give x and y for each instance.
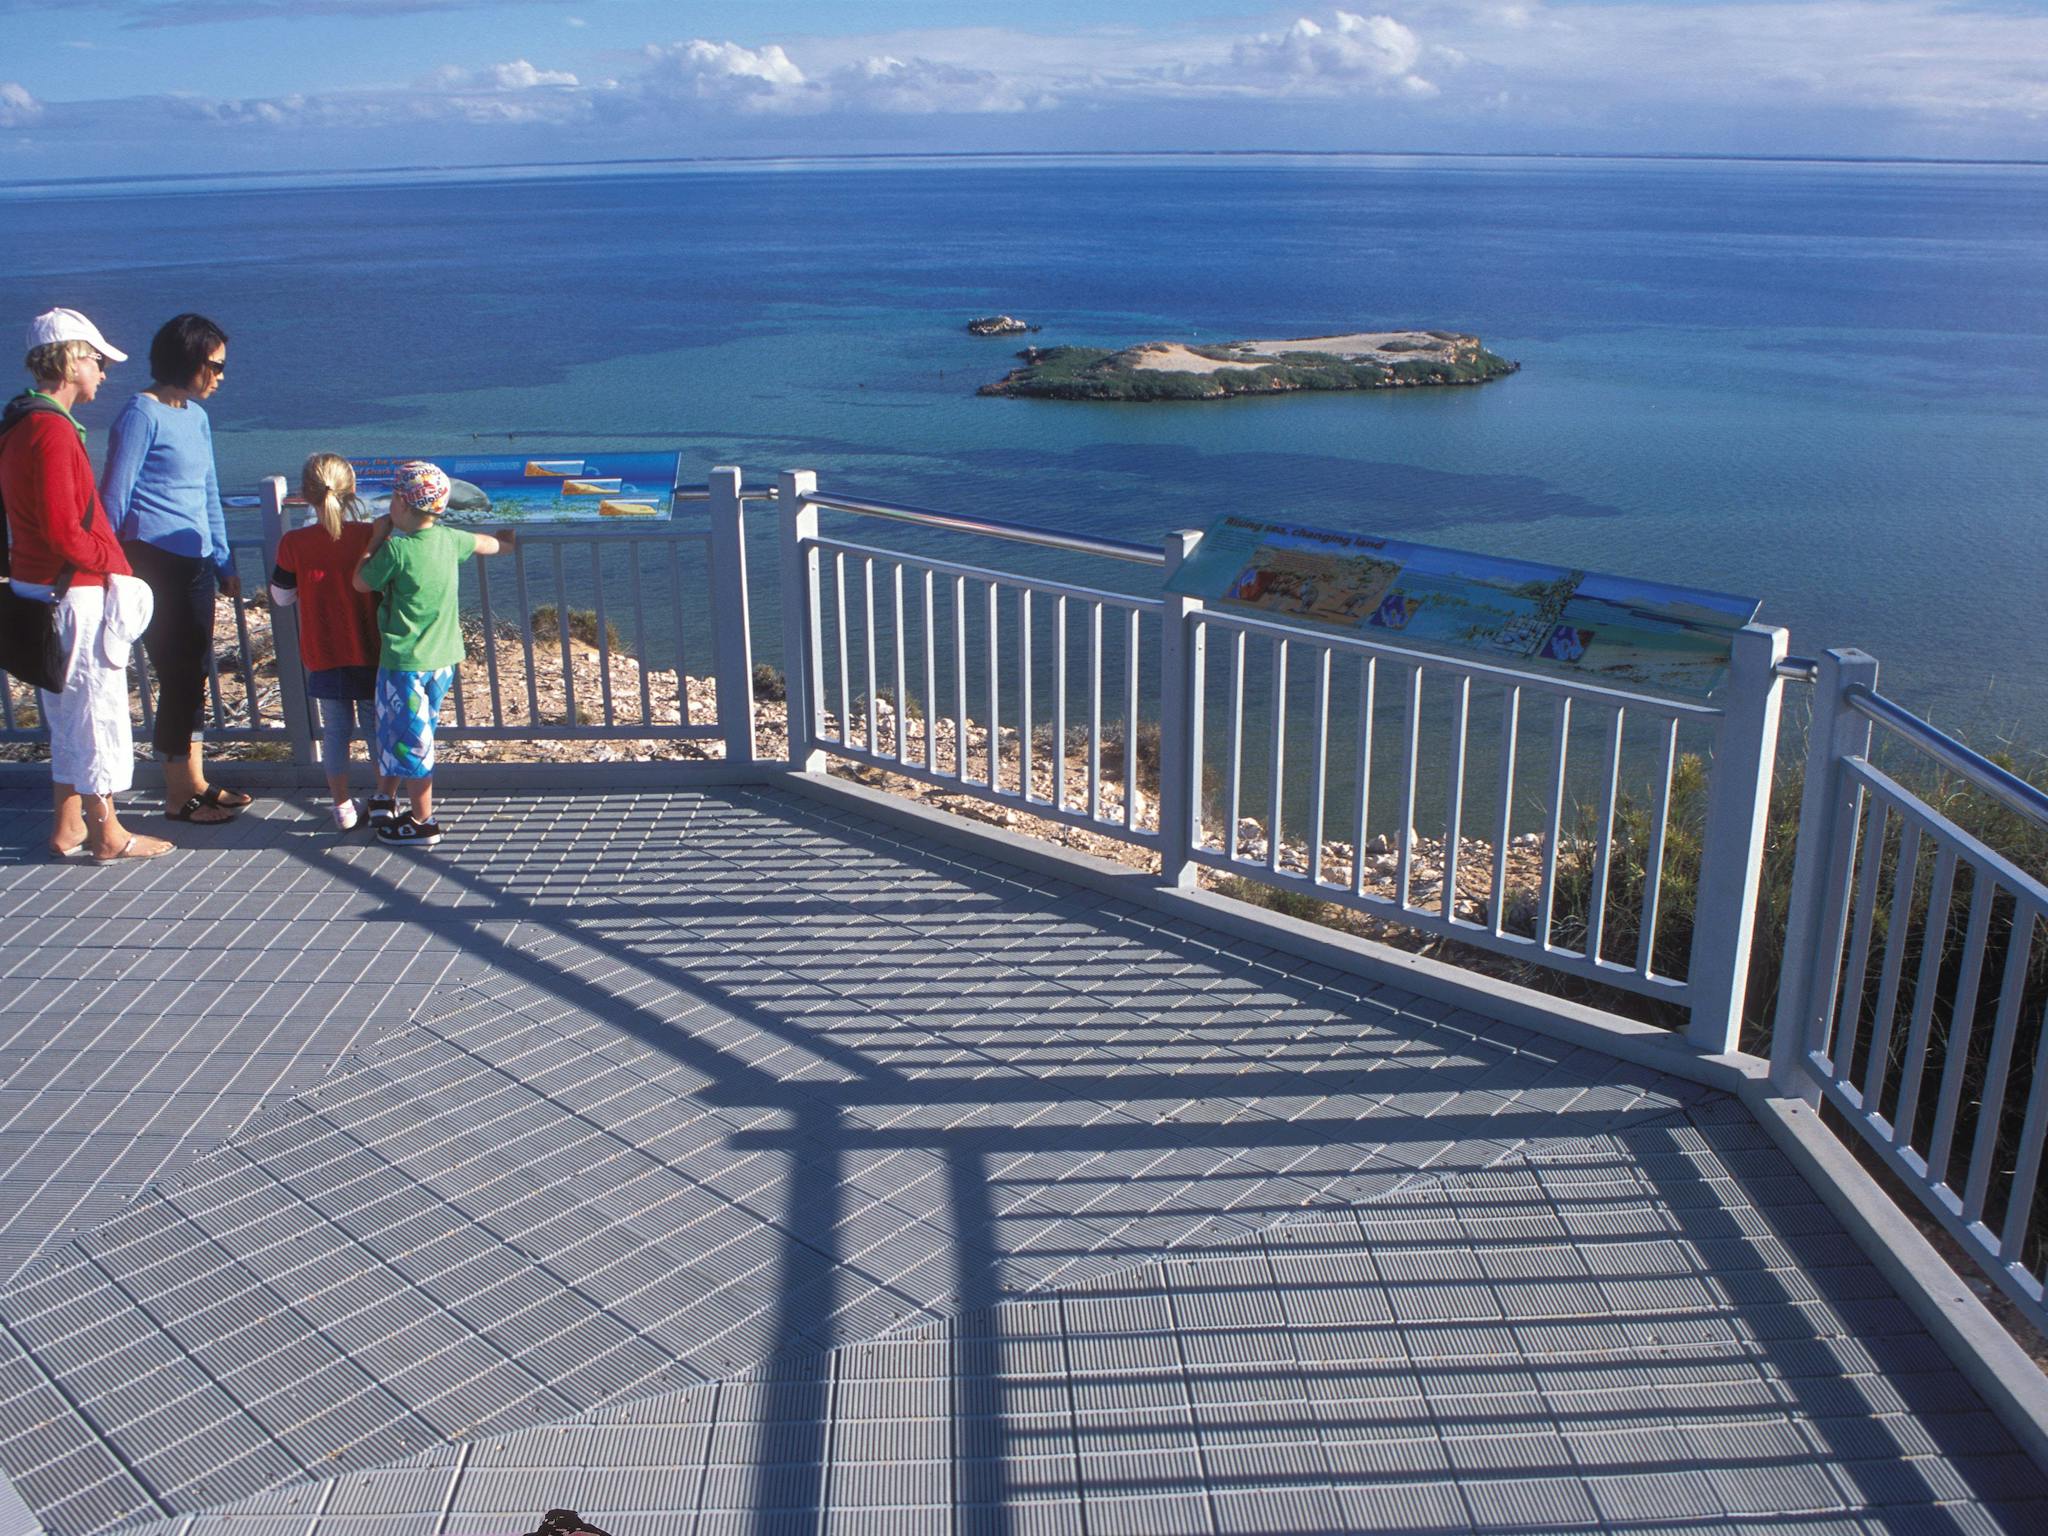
(1991, 1360)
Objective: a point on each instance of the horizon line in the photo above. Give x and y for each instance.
(845, 157)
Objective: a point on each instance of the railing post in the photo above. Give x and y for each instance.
(1181, 644)
(801, 658)
(1732, 847)
(1817, 913)
(732, 638)
(284, 635)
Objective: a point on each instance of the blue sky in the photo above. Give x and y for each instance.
(99, 87)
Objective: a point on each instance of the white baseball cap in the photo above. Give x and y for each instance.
(69, 325)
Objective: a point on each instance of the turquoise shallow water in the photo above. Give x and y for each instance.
(1822, 384)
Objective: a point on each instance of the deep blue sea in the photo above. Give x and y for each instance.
(1823, 384)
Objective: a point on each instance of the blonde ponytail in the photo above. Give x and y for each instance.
(328, 482)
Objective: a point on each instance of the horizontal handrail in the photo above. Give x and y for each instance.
(997, 578)
(1975, 850)
(648, 528)
(703, 493)
(1799, 669)
(994, 528)
(1409, 655)
(2001, 784)
(246, 501)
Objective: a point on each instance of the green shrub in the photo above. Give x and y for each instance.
(545, 622)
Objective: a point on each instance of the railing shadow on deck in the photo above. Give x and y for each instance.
(1769, 1340)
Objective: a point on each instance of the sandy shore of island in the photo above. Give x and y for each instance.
(1355, 346)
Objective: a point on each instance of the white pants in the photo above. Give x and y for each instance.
(92, 744)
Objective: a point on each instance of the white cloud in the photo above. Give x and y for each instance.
(761, 79)
(17, 107)
(1772, 76)
(517, 75)
(881, 83)
(522, 76)
(497, 94)
(1352, 50)
(730, 61)
(766, 79)
(1932, 62)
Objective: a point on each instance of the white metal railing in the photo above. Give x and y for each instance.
(1637, 736)
(973, 678)
(1384, 673)
(1915, 978)
(637, 589)
(661, 593)
(970, 677)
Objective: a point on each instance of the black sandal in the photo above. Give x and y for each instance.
(190, 809)
(217, 797)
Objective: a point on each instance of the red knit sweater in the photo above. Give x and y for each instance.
(47, 485)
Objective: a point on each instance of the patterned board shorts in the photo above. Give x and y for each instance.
(408, 705)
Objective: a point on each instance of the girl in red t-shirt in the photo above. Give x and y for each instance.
(337, 624)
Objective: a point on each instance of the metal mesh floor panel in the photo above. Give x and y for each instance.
(776, 1172)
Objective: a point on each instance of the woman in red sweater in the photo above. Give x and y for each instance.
(62, 551)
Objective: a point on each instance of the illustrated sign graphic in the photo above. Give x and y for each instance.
(1613, 628)
(566, 488)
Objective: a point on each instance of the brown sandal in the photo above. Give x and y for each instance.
(190, 810)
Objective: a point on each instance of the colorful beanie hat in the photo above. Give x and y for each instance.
(424, 486)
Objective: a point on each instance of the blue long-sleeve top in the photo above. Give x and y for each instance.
(159, 483)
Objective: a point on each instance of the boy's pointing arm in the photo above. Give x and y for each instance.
(380, 531)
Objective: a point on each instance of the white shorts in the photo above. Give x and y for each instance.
(92, 741)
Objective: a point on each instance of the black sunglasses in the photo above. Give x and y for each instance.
(218, 370)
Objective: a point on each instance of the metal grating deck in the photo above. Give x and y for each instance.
(723, 1162)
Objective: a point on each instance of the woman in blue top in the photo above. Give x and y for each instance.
(163, 498)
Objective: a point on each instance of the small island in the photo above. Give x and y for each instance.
(998, 325)
(1171, 370)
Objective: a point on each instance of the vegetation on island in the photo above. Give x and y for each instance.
(1099, 373)
(998, 325)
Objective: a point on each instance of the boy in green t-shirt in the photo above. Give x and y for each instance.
(412, 562)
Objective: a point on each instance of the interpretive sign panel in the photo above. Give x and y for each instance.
(1613, 628)
(558, 488)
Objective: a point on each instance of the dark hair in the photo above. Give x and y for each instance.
(184, 342)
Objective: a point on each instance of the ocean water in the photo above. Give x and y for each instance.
(1822, 384)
